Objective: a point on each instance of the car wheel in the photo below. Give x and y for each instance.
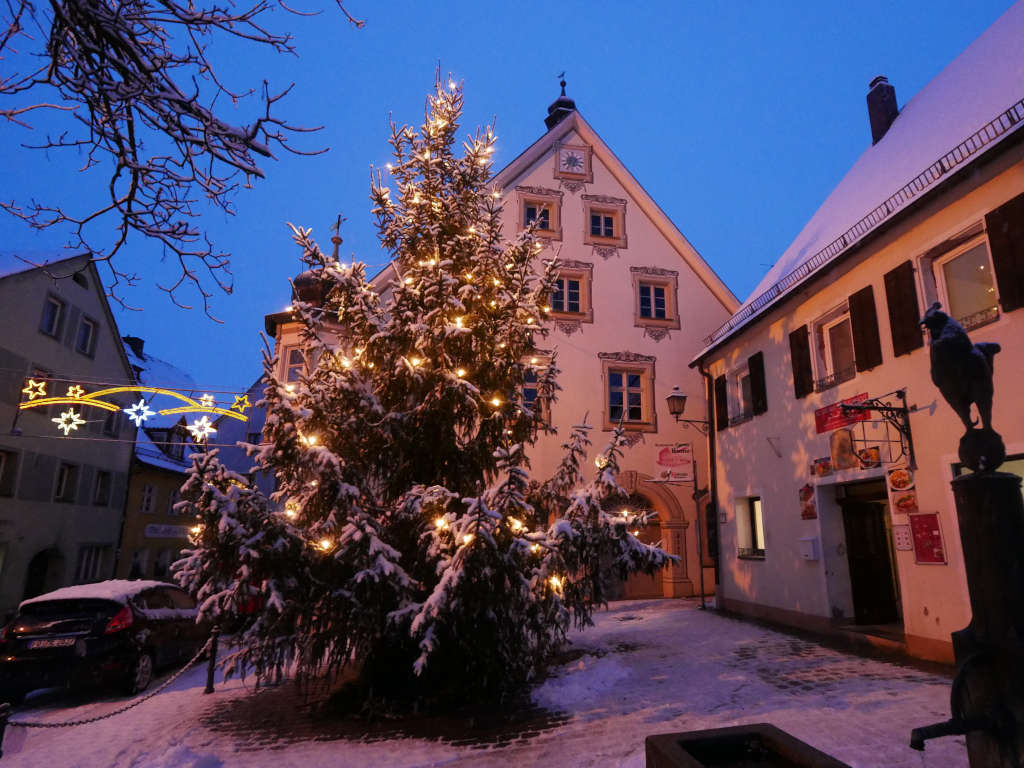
(141, 674)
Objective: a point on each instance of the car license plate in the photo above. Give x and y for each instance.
(51, 642)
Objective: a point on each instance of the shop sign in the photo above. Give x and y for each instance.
(675, 463)
(831, 417)
(928, 547)
(155, 531)
(902, 538)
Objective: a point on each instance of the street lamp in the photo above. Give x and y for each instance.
(677, 405)
(676, 401)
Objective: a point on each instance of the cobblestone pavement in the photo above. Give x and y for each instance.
(647, 667)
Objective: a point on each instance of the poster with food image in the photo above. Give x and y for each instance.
(843, 457)
(899, 481)
(870, 457)
(821, 467)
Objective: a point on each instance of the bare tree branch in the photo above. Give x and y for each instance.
(135, 81)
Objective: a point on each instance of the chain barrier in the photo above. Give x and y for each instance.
(5, 709)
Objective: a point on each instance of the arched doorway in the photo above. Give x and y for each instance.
(640, 585)
(45, 573)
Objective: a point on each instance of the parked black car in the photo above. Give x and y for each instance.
(112, 632)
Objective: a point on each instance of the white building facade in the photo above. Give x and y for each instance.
(844, 519)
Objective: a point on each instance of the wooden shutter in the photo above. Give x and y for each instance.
(721, 404)
(800, 354)
(1005, 227)
(758, 392)
(904, 313)
(867, 347)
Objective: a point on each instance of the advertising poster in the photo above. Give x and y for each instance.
(807, 508)
(675, 463)
(928, 547)
(899, 481)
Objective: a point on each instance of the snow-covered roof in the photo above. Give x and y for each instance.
(13, 262)
(967, 109)
(150, 453)
(154, 372)
(118, 590)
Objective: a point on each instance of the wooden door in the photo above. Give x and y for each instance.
(867, 552)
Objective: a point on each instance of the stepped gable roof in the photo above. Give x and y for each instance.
(975, 104)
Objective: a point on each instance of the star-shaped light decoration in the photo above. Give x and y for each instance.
(34, 389)
(68, 421)
(241, 403)
(207, 401)
(202, 428)
(75, 391)
(139, 412)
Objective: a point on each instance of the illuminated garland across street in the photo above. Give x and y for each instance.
(69, 421)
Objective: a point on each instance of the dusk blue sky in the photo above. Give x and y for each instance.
(738, 119)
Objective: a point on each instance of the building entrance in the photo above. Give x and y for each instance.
(873, 580)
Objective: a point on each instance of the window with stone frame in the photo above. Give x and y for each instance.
(148, 503)
(604, 221)
(628, 379)
(532, 396)
(101, 489)
(543, 206)
(655, 300)
(92, 562)
(570, 297)
(85, 340)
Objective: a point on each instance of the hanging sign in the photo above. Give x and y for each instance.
(831, 417)
(675, 463)
(899, 481)
(928, 547)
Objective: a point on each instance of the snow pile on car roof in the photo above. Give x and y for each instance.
(118, 590)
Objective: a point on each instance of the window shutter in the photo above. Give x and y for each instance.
(721, 404)
(800, 353)
(758, 391)
(867, 347)
(1005, 227)
(904, 313)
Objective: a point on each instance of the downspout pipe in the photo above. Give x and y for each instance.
(709, 389)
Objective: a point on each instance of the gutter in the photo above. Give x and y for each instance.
(712, 505)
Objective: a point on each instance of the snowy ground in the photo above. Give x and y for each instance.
(647, 667)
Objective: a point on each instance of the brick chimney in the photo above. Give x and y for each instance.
(882, 109)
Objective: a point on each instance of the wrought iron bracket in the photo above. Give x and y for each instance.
(698, 424)
(896, 415)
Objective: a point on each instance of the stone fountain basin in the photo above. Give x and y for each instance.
(742, 746)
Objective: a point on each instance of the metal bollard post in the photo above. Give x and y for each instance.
(212, 660)
(5, 714)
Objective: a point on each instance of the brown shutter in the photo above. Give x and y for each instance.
(721, 404)
(800, 353)
(1005, 227)
(758, 392)
(867, 347)
(904, 313)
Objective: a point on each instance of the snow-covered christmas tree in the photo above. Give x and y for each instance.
(410, 545)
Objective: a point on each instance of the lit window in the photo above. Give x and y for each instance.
(86, 336)
(67, 483)
(101, 493)
(53, 316)
(625, 396)
(750, 527)
(652, 301)
(967, 286)
(295, 364)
